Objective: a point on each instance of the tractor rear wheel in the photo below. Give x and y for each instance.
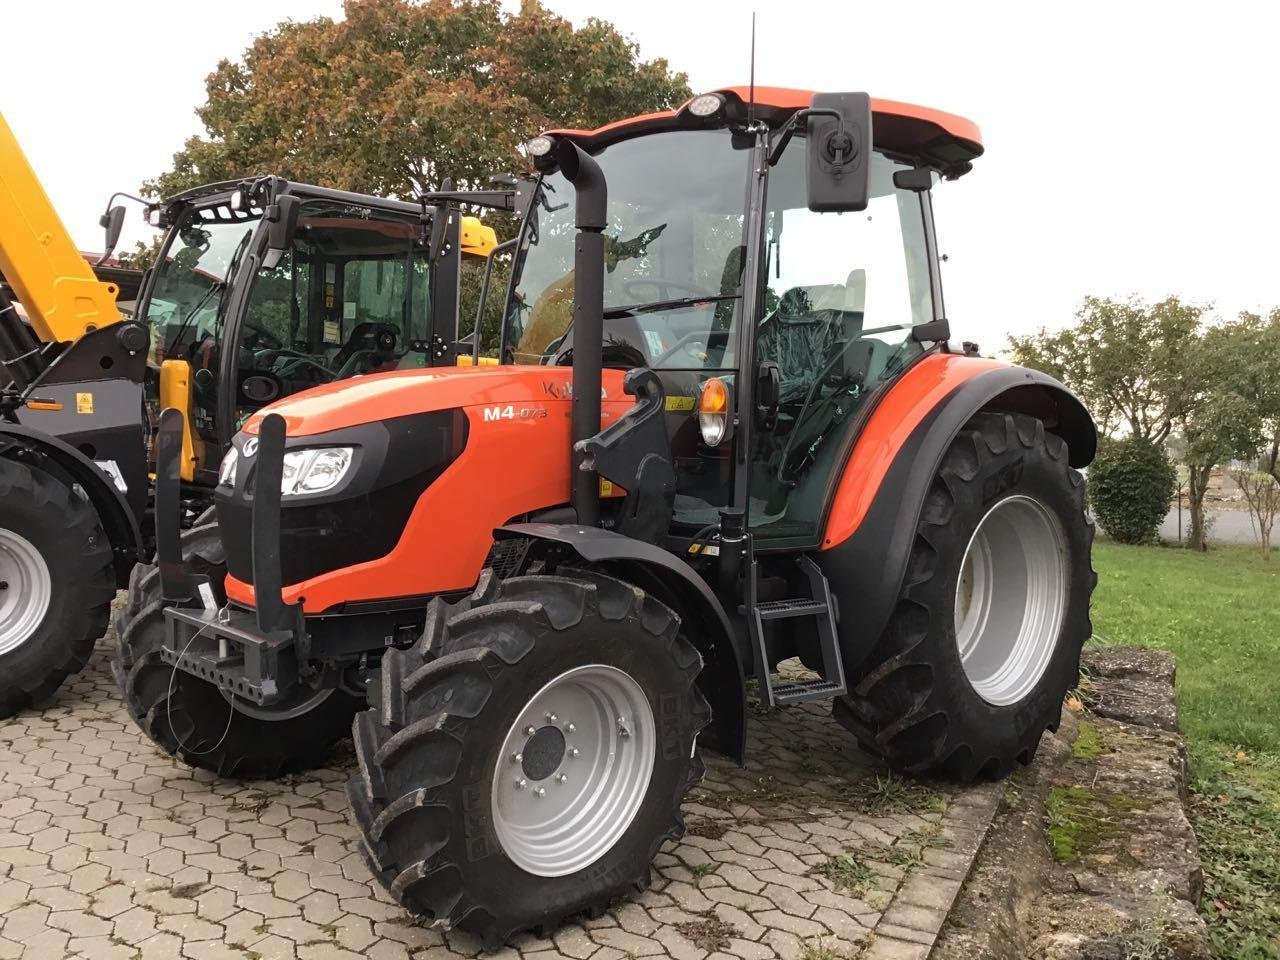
(190, 718)
(984, 641)
(56, 583)
(526, 759)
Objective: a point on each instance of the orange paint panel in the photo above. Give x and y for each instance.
(786, 98)
(516, 460)
(909, 401)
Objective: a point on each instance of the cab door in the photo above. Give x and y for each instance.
(843, 293)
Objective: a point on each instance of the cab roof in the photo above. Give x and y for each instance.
(933, 137)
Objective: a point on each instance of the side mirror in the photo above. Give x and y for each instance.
(112, 222)
(838, 135)
(282, 224)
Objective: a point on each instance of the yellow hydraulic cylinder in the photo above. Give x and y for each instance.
(55, 285)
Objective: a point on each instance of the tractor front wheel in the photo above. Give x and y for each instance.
(190, 718)
(526, 759)
(984, 641)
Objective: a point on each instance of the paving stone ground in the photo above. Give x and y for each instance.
(111, 850)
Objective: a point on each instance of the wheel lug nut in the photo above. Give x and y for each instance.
(517, 757)
(551, 718)
(529, 731)
(541, 792)
(562, 779)
(574, 752)
(521, 783)
(572, 727)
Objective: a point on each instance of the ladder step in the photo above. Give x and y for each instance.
(806, 690)
(785, 609)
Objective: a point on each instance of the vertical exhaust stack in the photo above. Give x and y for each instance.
(588, 317)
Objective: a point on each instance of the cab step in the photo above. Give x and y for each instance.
(774, 690)
(786, 609)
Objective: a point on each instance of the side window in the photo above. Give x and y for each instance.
(843, 293)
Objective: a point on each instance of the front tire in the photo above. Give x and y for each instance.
(57, 581)
(192, 719)
(984, 641)
(527, 758)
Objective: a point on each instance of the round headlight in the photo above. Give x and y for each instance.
(539, 146)
(706, 105)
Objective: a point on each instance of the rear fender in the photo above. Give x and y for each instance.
(678, 585)
(72, 466)
(871, 525)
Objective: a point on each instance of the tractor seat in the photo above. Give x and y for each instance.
(803, 341)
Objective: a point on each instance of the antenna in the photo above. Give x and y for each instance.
(751, 98)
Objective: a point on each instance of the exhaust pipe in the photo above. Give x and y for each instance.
(588, 318)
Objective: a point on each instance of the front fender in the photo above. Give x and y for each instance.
(114, 509)
(872, 520)
(678, 585)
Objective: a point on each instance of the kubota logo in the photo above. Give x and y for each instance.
(512, 412)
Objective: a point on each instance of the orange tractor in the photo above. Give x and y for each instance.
(737, 436)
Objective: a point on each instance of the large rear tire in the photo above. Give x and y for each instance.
(984, 642)
(192, 719)
(57, 581)
(527, 758)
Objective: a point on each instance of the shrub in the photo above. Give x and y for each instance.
(1131, 485)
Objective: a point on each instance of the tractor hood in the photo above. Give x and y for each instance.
(447, 453)
(528, 390)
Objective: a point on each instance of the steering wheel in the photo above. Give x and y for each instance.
(703, 337)
(665, 286)
(259, 338)
(299, 360)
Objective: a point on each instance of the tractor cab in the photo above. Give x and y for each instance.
(265, 288)
(723, 279)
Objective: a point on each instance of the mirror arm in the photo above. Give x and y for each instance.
(111, 222)
(798, 118)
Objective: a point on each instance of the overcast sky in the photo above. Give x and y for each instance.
(1123, 138)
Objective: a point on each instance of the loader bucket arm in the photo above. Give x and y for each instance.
(56, 286)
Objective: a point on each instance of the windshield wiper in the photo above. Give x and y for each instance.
(656, 306)
(216, 286)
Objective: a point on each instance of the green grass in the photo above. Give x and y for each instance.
(847, 873)
(1219, 613)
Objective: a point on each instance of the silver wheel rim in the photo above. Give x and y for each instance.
(1010, 599)
(574, 769)
(26, 593)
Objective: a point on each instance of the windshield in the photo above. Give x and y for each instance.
(186, 305)
(673, 257)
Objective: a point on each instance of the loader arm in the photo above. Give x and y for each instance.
(57, 288)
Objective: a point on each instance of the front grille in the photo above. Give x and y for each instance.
(365, 521)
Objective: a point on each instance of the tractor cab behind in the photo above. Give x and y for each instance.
(245, 309)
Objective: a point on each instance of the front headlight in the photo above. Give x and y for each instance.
(227, 472)
(314, 471)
